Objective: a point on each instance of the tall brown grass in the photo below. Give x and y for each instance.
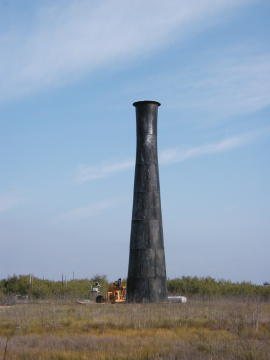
(201, 329)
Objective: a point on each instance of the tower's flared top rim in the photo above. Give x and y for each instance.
(136, 103)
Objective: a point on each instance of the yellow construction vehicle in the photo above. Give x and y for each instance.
(116, 294)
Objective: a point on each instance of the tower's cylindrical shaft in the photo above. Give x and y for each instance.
(147, 271)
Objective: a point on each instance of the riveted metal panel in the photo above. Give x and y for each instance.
(146, 205)
(146, 234)
(146, 149)
(146, 177)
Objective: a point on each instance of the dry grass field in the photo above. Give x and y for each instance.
(201, 329)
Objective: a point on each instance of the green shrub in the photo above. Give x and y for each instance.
(80, 288)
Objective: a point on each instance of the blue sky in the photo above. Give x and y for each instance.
(69, 73)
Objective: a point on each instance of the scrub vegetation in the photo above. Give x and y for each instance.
(220, 321)
(43, 289)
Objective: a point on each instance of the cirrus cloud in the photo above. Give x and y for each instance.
(87, 173)
(66, 39)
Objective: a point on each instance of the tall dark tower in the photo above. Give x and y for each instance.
(147, 271)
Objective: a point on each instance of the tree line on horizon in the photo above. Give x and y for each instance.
(37, 288)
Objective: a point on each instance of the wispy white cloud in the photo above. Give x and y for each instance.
(177, 155)
(87, 173)
(9, 200)
(67, 38)
(233, 83)
(86, 212)
(236, 86)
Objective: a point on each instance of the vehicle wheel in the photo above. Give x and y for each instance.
(100, 299)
